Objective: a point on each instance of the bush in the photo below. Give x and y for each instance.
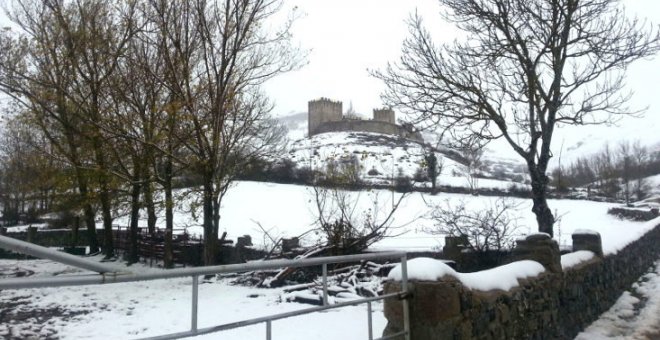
(488, 230)
(402, 183)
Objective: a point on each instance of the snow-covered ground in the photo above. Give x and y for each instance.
(635, 315)
(131, 310)
(382, 158)
(142, 309)
(288, 210)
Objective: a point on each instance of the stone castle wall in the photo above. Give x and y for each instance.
(553, 305)
(367, 126)
(325, 115)
(322, 111)
(384, 115)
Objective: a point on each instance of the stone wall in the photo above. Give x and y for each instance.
(634, 214)
(367, 126)
(553, 305)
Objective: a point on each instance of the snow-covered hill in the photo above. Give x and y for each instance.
(380, 157)
(384, 157)
(499, 160)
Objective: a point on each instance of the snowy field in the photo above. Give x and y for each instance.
(132, 310)
(288, 210)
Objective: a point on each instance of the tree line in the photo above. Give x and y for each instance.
(615, 171)
(112, 102)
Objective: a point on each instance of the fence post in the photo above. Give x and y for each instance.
(195, 293)
(325, 284)
(404, 289)
(370, 321)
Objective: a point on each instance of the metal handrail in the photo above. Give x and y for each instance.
(108, 275)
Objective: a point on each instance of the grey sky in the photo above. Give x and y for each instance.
(347, 37)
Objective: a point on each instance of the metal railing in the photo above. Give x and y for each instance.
(108, 275)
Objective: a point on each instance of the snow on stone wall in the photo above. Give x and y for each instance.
(551, 305)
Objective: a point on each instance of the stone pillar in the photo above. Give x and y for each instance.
(587, 240)
(540, 248)
(454, 245)
(435, 309)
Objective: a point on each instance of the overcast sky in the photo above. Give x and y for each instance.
(348, 37)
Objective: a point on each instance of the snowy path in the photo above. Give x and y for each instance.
(635, 316)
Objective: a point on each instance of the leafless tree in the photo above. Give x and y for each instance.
(350, 222)
(229, 53)
(640, 156)
(626, 167)
(473, 164)
(491, 228)
(523, 69)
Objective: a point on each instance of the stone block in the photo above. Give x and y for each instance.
(588, 240)
(540, 248)
(435, 308)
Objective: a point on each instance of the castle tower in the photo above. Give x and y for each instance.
(384, 115)
(320, 111)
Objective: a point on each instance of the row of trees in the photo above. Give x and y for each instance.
(120, 98)
(614, 171)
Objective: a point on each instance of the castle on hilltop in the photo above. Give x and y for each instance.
(325, 115)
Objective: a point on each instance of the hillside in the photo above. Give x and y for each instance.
(383, 157)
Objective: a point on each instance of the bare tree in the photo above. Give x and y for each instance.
(640, 156)
(473, 164)
(230, 54)
(626, 168)
(523, 69)
(347, 223)
(489, 229)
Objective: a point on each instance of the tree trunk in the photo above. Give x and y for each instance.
(210, 240)
(90, 217)
(104, 197)
(151, 209)
(108, 242)
(544, 216)
(168, 256)
(88, 212)
(133, 255)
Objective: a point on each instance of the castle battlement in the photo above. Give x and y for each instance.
(326, 115)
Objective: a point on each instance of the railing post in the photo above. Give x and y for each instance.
(195, 293)
(269, 330)
(404, 289)
(370, 321)
(325, 284)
